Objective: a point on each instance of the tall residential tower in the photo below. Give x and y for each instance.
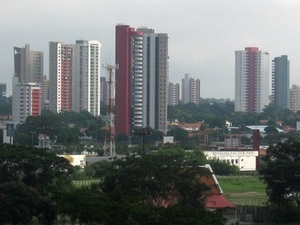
(281, 82)
(251, 80)
(27, 83)
(190, 92)
(141, 79)
(60, 76)
(86, 77)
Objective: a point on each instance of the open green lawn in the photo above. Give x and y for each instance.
(243, 190)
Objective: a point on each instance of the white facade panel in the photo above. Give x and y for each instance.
(244, 160)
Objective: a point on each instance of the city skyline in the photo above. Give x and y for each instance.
(203, 34)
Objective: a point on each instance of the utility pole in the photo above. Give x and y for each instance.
(110, 120)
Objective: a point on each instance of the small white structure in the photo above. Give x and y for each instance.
(168, 139)
(76, 160)
(244, 160)
(298, 126)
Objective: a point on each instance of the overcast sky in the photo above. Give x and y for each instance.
(203, 33)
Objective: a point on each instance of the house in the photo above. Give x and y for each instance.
(214, 197)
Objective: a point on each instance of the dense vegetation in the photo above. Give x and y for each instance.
(66, 128)
(280, 171)
(157, 188)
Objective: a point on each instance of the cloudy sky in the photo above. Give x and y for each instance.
(203, 33)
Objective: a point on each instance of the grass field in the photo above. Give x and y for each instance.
(244, 190)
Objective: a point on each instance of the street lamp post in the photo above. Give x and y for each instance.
(143, 132)
(32, 133)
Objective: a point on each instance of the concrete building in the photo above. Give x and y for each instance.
(281, 82)
(104, 90)
(251, 80)
(60, 76)
(190, 92)
(3, 97)
(27, 83)
(46, 93)
(141, 79)
(173, 94)
(28, 65)
(243, 159)
(26, 101)
(86, 77)
(295, 98)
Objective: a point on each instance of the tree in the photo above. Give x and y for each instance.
(280, 171)
(37, 168)
(20, 203)
(161, 184)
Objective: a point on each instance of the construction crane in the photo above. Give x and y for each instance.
(110, 119)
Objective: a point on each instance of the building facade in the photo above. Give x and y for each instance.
(86, 77)
(104, 90)
(27, 83)
(141, 79)
(60, 76)
(3, 97)
(28, 65)
(251, 80)
(173, 94)
(155, 79)
(295, 98)
(74, 76)
(190, 90)
(26, 101)
(281, 82)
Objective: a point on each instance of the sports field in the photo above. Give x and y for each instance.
(244, 190)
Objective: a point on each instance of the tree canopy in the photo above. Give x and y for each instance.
(156, 188)
(280, 171)
(28, 176)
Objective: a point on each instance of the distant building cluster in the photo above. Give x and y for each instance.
(190, 91)
(252, 85)
(140, 90)
(141, 87)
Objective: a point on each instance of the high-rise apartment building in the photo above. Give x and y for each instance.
(173, 94)
(26, 101)
(141, 79)
(46, 93)
(60, 76)
(295, 98)
(28, 65)
(86, 77)
(281, 82)
(27, 83)
(251, 80)
(190, 90)
(3, 97)
(104, 90)
(74, 74)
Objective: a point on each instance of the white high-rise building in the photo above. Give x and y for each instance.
(29, 65)
(295, 98)
(251, 80)
(86, 77)
(190, 90)
(26, 101)
(27, 83)
(60, 76)
(154, 78)
(173, 94)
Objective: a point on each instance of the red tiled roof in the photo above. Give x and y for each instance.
(214, 198)
(217, 201)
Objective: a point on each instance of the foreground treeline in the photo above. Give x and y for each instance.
(159, 188)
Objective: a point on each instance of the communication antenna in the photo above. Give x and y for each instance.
(110, 119)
